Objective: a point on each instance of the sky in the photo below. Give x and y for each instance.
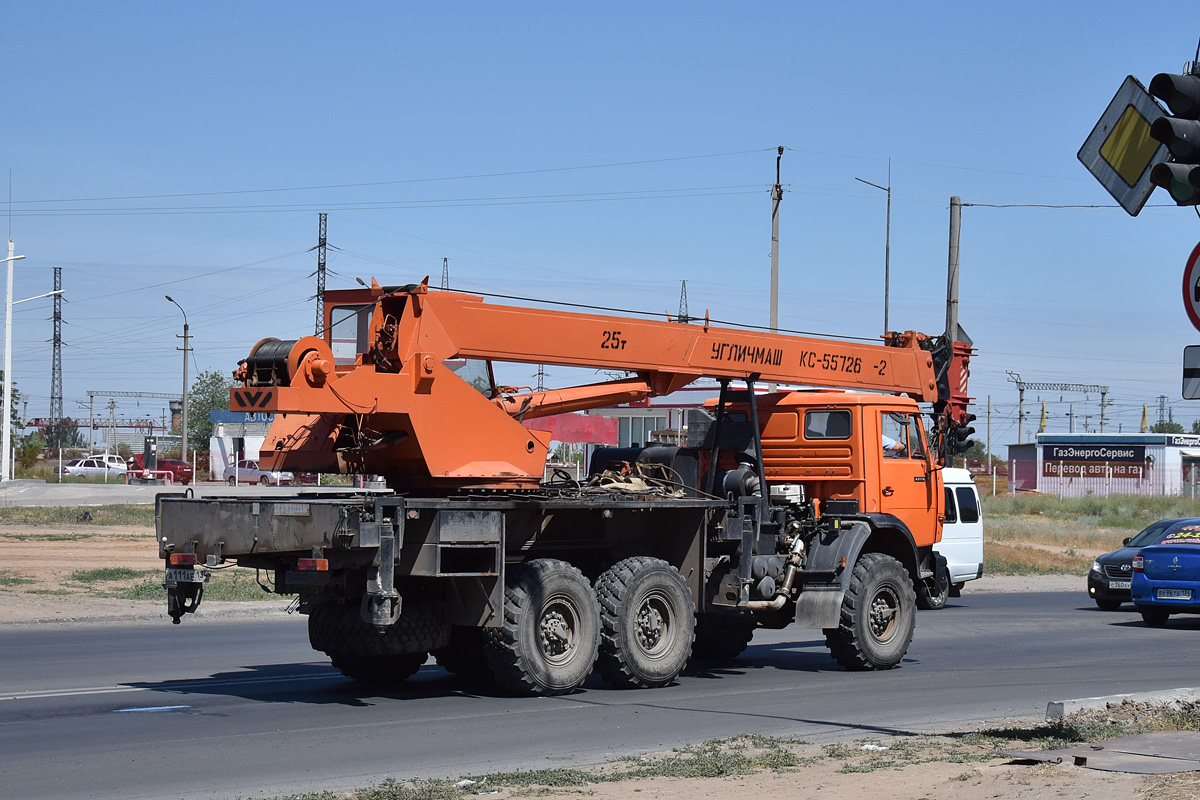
(597, 153)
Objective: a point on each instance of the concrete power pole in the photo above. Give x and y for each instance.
(776, 199)
(952, 273)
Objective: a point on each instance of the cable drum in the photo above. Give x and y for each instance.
(267, 364)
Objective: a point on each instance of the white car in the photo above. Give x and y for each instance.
(962, 533)
(97, 467)
(248, 472)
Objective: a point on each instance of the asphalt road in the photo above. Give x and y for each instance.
(245, 708)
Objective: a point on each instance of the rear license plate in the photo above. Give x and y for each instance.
(187, 576)
(1173, 594)
(1118, 584)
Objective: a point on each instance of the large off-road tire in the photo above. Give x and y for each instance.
(547, 643)
(722, 637)
(364, 654)
(935, 597)
(380, 671)
(463, 654)
(647, 620)
(1155, 617)
(877, 617)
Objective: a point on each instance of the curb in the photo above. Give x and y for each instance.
(1056, 710)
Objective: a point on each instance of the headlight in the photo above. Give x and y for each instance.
(1095, 566)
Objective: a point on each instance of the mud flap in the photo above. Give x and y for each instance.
(183, 598)
(819, 603)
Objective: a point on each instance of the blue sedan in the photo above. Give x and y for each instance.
(1166, 576)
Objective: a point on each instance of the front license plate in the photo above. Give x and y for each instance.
(1173, 594)
(1118, 584)
(187, 576)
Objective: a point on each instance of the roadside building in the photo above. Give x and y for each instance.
(1102, 464)
(235, 435)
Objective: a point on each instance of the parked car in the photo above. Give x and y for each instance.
(98, 467)
(1108, 580)
(181, 471)
(1166, 576)
(62, 470)
(248, 472)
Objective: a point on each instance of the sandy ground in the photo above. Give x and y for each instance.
(36, 588)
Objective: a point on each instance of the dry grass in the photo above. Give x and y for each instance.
(1018, 559)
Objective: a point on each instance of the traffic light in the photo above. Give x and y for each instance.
(1181, 134)
(960, 436)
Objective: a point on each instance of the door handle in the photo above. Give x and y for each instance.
(888, 491)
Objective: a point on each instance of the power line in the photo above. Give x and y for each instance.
(397, 182)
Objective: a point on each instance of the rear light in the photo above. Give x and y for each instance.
(312, 564)
(182, 560)
(1139, 563)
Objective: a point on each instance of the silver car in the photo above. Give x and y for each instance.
(97, 467)
(248, 472)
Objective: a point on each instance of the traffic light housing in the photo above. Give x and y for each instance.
(1181, 134)
(960, 436)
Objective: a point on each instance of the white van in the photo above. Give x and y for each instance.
(962, 533)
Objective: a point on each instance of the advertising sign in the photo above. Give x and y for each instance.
(1093, 461)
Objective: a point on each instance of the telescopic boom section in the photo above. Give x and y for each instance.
(401, 410)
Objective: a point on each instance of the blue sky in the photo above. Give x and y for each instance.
(628, 147)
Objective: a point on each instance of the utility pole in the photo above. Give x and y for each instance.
(320, 327)
(683, 309)
(445, 273)
(989, 432)
(952, 274)
(56, 390)
(1162, 409)
(541, 378)
(1015, 378)
(776, 198)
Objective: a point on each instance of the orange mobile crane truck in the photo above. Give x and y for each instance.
(790, 512)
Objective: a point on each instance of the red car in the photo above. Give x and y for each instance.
(181, 471)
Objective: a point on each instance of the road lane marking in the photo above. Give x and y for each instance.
(148, 709)
(196, 686)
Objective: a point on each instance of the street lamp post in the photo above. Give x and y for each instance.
(183, 430)
(6, 440)
(887, 246)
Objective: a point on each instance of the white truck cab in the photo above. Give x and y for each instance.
(962, 531)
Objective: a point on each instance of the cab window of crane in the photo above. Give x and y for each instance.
(901, 436)
(349, 332)
(474, 371)
(830, 424)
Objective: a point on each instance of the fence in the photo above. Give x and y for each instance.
(1070, 479)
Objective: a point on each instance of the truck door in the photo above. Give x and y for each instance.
(905, 475)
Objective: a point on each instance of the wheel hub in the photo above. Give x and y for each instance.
(556, 631)
(653, 625)
(882, 614)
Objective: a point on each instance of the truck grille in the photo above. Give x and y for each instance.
(1116, 571)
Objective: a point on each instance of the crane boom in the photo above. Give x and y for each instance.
(393, 403)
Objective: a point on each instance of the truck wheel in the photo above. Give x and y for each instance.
(1155, 617)
(379, 671)
(463, 655)
(722, 637)
(877, 616)
(935, 597)
(647, 622)
(547, 643)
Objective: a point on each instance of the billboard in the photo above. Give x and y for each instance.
(1093, 461)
